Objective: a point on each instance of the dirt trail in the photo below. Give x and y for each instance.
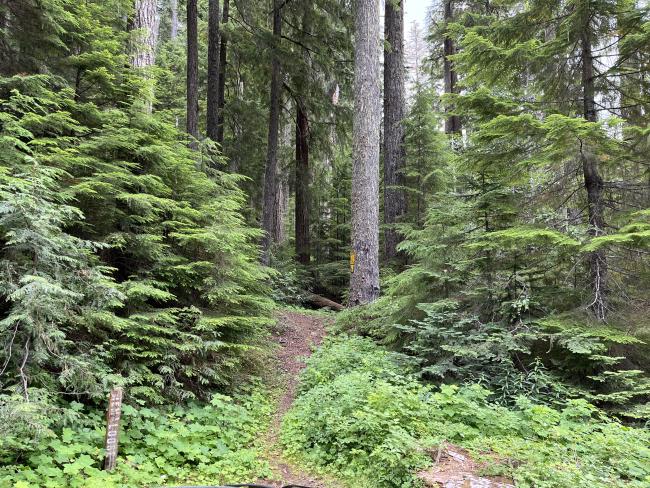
(296, 334)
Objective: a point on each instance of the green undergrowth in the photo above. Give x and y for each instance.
(361, 415)
(209, 443)
(313, 312)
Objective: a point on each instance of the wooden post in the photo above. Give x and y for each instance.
(112, 427)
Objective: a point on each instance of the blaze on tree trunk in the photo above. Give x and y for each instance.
(269, 204)
(212, 115)
(394, 107)
(364, 280)
(594, 186)
(452, 122)
(302, 185)
(192, 73)
(223, 52)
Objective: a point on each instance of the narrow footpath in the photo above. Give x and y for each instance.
(296, 334)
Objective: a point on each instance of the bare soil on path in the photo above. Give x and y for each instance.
(296, 335)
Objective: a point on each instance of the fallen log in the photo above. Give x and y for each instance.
(322, 302)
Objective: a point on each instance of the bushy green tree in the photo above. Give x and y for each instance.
(163, 257)
(502, 287)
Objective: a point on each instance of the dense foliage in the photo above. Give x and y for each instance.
(144, 179)
(130, 280)
(211, 443)
(362, 416)
(126, 257)
(527, 235)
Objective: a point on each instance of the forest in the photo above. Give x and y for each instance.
(313, 243)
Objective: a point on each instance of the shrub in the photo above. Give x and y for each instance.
(123, 262)
(212, 443)
(360, 415)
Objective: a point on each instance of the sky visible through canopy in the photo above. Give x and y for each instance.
(416, 10)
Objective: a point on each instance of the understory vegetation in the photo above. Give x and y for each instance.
(476, 204)
(214, 442)
(126, 292)
(362, 415)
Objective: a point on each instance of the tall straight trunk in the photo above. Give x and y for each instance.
(269, 203)
(364, 280)
(302, 185)
(394, 111)
(452, 122)
(173, 5)
(223, 58)
(236, 124)
(594, 186)
(3, 16)
(284, 187)
(192, 73)
(213, 70)
(145, 25)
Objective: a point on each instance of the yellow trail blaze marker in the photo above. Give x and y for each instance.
(352, 258)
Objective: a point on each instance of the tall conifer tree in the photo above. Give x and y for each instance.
(269, 203)
(364, 281)
(214, 64)
(394, 113)
(192, 119)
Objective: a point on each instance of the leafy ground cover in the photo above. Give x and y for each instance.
(361, 415)
(210, 443)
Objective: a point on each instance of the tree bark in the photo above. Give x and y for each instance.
(3, 19)
(364, 280)
(269, 204)
(302, 185)
(236, 125)
(283, 189)
(594, 186)
(192, 73)
(394, 111)
(212, 115)
(145, 24)
(173, 5)
(452, 122)
(144, 27)
(223, 53)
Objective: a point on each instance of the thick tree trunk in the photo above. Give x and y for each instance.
(594, 186)
(452, 122)
(283, 191)
(282, 205)
(192, 72)
(235, 124)
(4, 15)
(269, 204)
(212, 115)
(364, 280)
(394, 111)
(145, 25)
(223, 53)
(302, 185)
(173, 5)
